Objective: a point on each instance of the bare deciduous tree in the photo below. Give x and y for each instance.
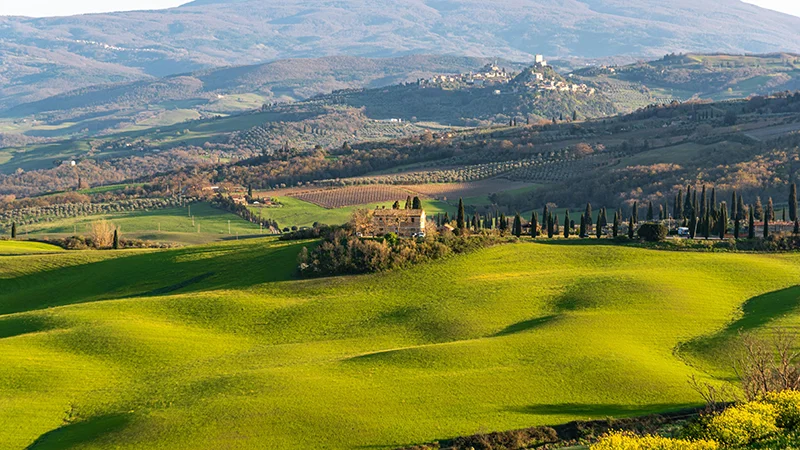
(767, 365)
(102, 234)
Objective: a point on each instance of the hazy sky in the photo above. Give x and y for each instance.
(68, 7)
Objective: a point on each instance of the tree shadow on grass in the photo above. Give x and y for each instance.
(526, 325)
(80, 433)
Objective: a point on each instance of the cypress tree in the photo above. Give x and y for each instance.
(693, 226)
(630, 228)
(503, 224)
(766, 227)
(713, 203)
(582, 229)
(556, 226)
(13, 230)
(604, 218)
(550, 226)
(723, 221)
(545, 213)
(759, 209)
(741, 209)
(751, 225)
(396, 205)
(737, 228)
(115, 245)
(635, 212)
(677, 209)
(703, 203)
(588, 216)
(687, 204)
(734, 206)
(770, 213)
(650, 213)
(707, 224)
(566, 224)
(517, 229)
(534, 225)
(416, 203)
(793, 203)
(460, 217)
(783, 219)
(615, 225)
(599, 228)
(797, 226)
(446, 218)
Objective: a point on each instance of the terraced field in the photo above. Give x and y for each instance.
(219, 346)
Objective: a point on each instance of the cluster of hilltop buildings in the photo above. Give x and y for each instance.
(494, 76)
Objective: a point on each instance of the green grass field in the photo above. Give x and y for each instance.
(219, 346)
(24, 248)
(161, 225)
(295, 212)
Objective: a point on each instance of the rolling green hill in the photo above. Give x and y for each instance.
(219, 346)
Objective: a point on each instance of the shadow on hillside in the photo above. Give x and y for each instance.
(598, 410)
(215, 267)
(758, 312)
(80, 433)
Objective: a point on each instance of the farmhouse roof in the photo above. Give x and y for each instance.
(399, 212)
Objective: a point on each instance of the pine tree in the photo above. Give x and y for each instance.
(630, 228)
(460, 217)
(751, 225)
(115, 244)
(650, 213)
(534, 225)
(566, 224)
(723, 220)
(13, 230)
(615, 225)
(517, 228)
(793, 203)
(416, 203)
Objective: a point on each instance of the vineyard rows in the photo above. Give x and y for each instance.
(352, 195)
(51, 213)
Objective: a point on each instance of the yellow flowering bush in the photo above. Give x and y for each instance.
(629, 441)
(787, 404)
(743, 424)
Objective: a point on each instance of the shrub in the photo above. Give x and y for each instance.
(629, 441)
(743, 424)
(787, 405)
(653, 232)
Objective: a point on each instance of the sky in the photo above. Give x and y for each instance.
(39, 8)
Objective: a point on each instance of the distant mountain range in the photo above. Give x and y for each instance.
(48, 56)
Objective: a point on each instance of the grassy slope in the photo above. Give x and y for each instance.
(218, 347)
(295, 212)
(175, 225)
(22, 248)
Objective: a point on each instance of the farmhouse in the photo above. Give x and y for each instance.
(403, 222)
